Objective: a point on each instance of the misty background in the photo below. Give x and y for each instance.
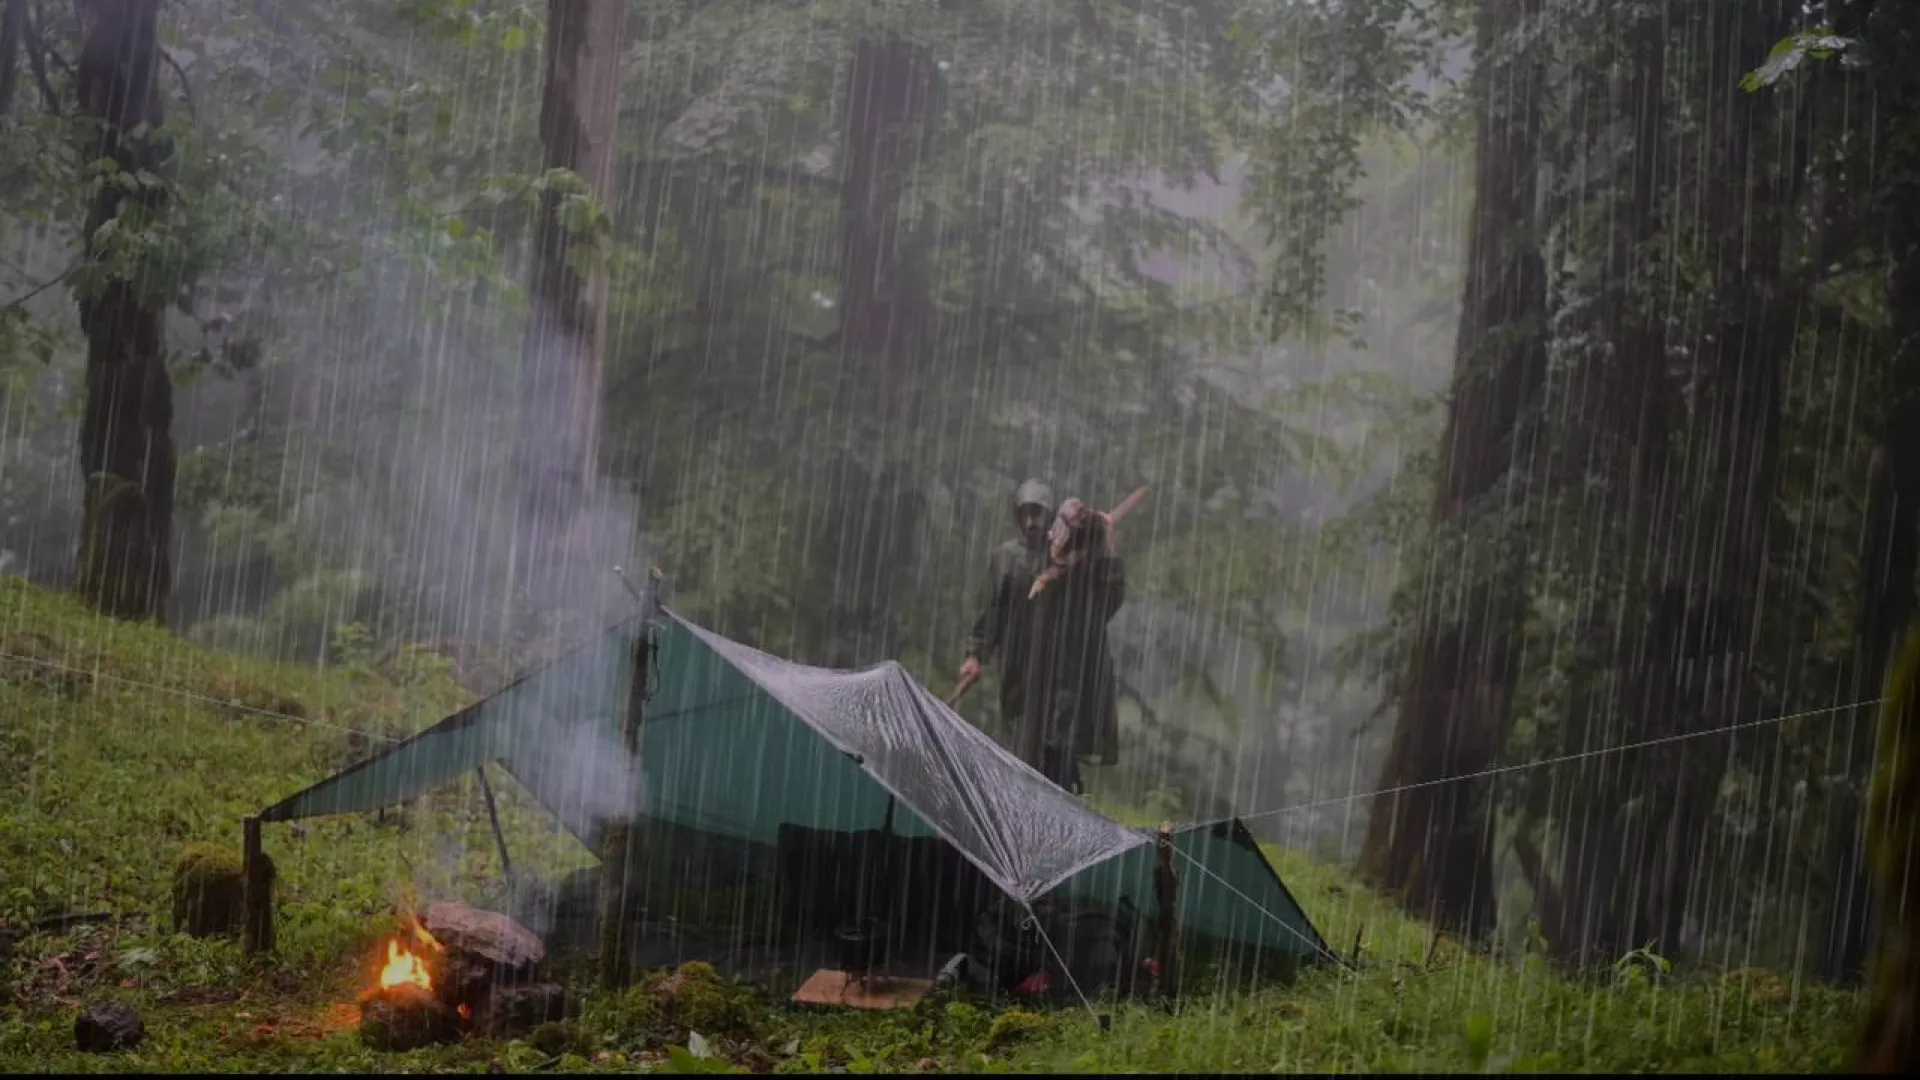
(347, 401)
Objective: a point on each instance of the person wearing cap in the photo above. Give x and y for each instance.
(1001, 630)
(1057, 687)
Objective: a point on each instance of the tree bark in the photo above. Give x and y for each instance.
(126, 439)
(1434, 844)
(13, 25)
(1892, 41)
(566, 330)
(884, 320)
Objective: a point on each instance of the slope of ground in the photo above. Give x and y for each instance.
(121, 745)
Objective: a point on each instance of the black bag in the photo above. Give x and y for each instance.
(1084, 946)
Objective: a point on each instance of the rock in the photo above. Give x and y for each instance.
(107, 1027)
(514, 1011)
(208, 888)
(484, 935)
(406, 1017)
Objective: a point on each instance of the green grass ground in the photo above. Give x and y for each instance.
(119, 745)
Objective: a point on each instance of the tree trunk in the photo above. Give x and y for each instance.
(1434, 844)
(1717, 573)
(1611, 422)
(126, 438)
(13, 25)
(884, 319)
(1892, 38)
(566, 330)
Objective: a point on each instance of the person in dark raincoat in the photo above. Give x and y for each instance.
(1001, 630)
(1070, 707)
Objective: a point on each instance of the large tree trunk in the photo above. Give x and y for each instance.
(561, 358)
(1434, 844)
(1611, 421)
(1892, 1041)
(884, 319)
(1712, 590)
(126, 439)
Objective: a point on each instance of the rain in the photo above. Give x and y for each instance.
(957, 535)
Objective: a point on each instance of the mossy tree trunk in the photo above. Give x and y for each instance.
(126, 437)
(561, 357)
(1433, 844)
(1892, 1039)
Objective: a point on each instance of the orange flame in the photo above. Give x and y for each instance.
(403, 966)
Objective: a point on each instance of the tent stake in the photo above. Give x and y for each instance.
(493, 816)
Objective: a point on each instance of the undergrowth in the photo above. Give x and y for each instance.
(124, 745)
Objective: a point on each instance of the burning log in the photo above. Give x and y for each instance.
(406, 1011)
(460, 970)
(407, 1016)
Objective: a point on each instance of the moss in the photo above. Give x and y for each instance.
(693, 998)
(1014, 1026)
(207, 890)
(556, 1039)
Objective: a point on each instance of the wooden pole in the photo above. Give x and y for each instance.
(616, 847)
(1166, 892)
(493, 817)
(256, 903)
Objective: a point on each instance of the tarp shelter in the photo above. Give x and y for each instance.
(799, 770)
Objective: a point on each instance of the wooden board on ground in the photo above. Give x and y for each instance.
(830, 987)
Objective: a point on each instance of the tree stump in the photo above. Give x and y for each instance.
(407, 1017)
(208, 891)
(108, 1027)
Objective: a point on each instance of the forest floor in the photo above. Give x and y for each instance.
(121, 744)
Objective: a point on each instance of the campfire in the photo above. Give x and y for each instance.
(403, 967)
(460, 970)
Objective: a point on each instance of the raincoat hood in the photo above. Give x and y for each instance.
(1034, 493)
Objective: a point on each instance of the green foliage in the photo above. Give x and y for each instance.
(1013, 1027)
(1791, 52)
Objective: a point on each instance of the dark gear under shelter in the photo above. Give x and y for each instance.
(780, 803)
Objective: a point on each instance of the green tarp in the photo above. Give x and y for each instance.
(736, 743)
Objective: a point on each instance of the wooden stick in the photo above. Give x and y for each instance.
(960, 691)
(616, 858)
(1166, 892)
(256, 898)
(493, 816)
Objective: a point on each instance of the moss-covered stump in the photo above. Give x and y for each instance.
(694, 998)
(208, 891)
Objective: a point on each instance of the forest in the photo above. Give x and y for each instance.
(1527, 394)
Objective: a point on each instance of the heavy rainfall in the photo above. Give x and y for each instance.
(959, 535)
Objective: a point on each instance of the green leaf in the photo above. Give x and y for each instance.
(514, 39)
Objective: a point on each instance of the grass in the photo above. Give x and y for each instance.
(124, 745)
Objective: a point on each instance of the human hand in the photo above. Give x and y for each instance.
(970, 670)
